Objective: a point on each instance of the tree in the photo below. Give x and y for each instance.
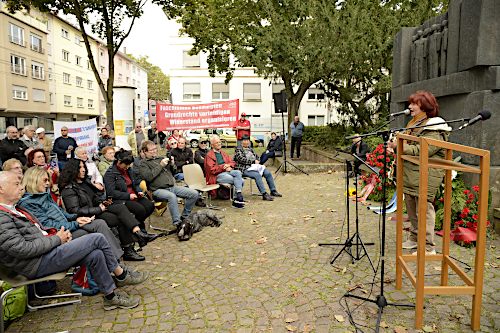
(158, 82)
(345, 46)
(107, 23)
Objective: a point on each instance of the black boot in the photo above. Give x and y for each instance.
(129, 254)
(276, 194)
(143, 237)
(267, 197)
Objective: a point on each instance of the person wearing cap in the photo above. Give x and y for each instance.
(360, 149)
(201, 153)
(45, 141)
(245, 158)
(242, 128)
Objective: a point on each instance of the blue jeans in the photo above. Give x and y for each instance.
(179, 176)
(259, 182)
(170, 196)
(90, 250)
(233, 177)
(264, 157)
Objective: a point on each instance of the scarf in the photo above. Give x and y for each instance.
(415, 121)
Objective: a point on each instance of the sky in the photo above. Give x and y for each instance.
(149, 36)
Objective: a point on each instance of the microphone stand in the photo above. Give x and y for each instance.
(380, 300)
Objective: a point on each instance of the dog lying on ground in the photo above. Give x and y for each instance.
(196, 221)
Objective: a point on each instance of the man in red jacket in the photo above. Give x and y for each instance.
(242, 128)
(219, 168)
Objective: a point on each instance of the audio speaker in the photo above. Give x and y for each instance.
(280, 105)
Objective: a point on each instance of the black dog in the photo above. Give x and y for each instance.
(196, 221)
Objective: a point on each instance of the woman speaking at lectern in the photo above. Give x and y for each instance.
(424, 110)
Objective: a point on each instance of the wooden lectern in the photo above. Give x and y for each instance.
(473, 286)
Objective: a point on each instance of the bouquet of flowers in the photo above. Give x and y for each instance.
(376, 159)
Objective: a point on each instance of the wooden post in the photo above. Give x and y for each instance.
(446, 220)
(399, 215)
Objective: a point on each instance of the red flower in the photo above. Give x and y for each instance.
(487, 223)
(468, 202)
(471, 196)
(465, 211)
(466, 191)
(458, 223)
(379, 188)
(474, 217)
(441, 199)
(475, 188)
(469, 225)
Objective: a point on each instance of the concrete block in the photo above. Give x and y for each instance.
(401, 68)
(454, 9)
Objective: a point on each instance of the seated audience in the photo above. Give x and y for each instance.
(80, 197)
(12, 147)
(219, 168)
(29, 249)
(182, 155)
(123, 188)
(245, 157)
(36, 157)
(199, 155)
(173, 138)
(158, 137)
(38, 202)
(274, 148)
(107, 158)
(105, 140)
(13, 165)
(157, 172)
(92, 171)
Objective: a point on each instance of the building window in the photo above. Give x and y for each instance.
(128, 80)
(88, 64)
(315, 120)
(220, 91)
(190, 60)
(79, 102)
(64, 33)
(192, 91)
(251, 91)
(102, 69)
(315, 94)
(120, 77)
(78, 60)
(50, 73)
(36, 43)
(66, 78)
(67, 100)
(77, 40)
(138, 96)
(17, 65)
(20, 92)
(278, 87)
(37, 71)
(65, 55)
(38, 95)
(90, 85)
(51, 98)
(90, 103)
(16, 35)
(79, 81)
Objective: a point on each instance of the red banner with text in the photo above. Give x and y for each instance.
(222, 114)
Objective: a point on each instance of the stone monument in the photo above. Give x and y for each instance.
(456, 56)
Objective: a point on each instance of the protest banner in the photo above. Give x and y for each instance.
(84, 132)
(222, 114)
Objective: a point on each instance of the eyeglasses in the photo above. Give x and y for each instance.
(138, 127)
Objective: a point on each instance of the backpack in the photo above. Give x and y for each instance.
(84, 283)
(15, 304)
(223, 193)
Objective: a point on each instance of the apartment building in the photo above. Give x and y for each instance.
(190, 83)
(24, 85)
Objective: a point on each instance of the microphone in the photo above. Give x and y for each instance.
(483, 115)
(405, 112)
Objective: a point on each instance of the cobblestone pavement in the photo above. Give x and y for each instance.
(263, 271)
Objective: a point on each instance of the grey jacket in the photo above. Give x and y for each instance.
(297, 130)
(155, 175)
(22, 244)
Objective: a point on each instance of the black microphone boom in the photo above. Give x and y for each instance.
(483, 115)
(405, 112)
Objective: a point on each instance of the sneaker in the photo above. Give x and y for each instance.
(121, 300)
(132, 277)
(237, 204)
(267, 197)
(409, 245)
(276, 194)
(239, 197)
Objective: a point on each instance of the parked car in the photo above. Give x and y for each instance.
(227, 137)
(192, 137)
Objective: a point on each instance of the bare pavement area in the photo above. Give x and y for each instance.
(263, 271)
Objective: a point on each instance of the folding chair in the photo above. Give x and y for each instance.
(251, 180)
(16, 280)
(194, 178)
(160, 206)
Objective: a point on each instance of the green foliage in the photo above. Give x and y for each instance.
(107, 22)
(329, 136)
(158, 82)
(458, 199)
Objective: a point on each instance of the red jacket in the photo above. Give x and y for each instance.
(212, 169)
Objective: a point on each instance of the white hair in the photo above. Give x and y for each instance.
(213, 138)
(79, 149)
